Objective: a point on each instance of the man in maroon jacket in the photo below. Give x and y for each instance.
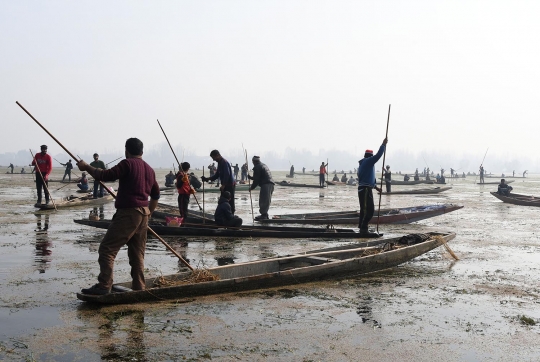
(137, 181)
(43, 162)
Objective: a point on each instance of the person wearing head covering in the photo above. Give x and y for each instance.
(406, 178)
(262, 177)
(366, 184)
(11, 166)
(244, 170)
(335, 178)
(387, 178)
(225, 175)
(291, 171)
(322, 172)
(184, 189)
(99, 165)
(344, 178)
(43, 162)
(83, 182)
(224, 215)
(67, 172)
(136, 183)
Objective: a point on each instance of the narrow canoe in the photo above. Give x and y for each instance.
(493, 183)
(518, 199)
(194, 216)
(336, 183)
(72, 201)
(247, 232)
(404, 215)
(435, 190)
(401, 182)
(337, 262)
(290, 184)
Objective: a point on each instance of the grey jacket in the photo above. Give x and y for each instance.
(261, 175)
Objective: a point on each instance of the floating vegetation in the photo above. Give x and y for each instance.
(197, 276)
(526, 320)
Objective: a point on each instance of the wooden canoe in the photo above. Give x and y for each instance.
(493, 183)
(337, 262)
(290, 184)
(404, 215)
(336, 183)
(435, 190)
(194, 216)
(246, 232)
(401, 182)
(72, 201)
(518, 199)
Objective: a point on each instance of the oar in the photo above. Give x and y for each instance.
(482, 163)
(44, 183)
(114, 160)
(106, 188)
(174, 154)
(383, 160)
(249, 183)
(204, 214)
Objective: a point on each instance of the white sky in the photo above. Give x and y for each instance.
(461, 75)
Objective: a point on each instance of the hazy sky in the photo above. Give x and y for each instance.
(461, 75)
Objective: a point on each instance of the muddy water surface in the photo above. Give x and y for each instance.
(481, 308)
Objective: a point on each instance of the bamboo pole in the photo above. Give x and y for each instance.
(384, 159)
(482, 163)
(114, 160)
(43, 179)
(174, 154)
(204, 214)
(77, 159)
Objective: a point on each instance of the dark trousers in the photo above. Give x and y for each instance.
(129, 228)
(67, 173)
(183, 203)
(40, 184)
(265, 198)
(388, 186)
(321, 179)
(96, 184)
(235, 222)
(231, 189)
(367, 207)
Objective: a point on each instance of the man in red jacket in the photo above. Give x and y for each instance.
(43, 162)
(137, 181)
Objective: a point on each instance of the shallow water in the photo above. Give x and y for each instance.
(430, 308)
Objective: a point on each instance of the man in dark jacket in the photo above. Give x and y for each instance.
(504, 189)
(262, 177)
(223, 215)
(224, 172)
(137, 181)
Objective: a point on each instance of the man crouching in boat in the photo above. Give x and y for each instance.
(504, 189)
(137, 181)
(366, 184)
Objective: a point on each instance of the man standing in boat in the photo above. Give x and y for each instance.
(225, 175)
(137, 181)
(387, 178)
(99, 165)
(481, 174)
(11, 166)
(366, 184)
(322, 173)
(262, 177)
(43, 162)
(236, 170)
(67, 172)
(291, 172)
(184, 190)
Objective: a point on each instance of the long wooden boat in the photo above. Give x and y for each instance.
(518, 199)
(290, 184)
(194, 216)
(435, 190)
(336, 183)
(404, 215)
(247, 231)
(72, 201)
(337, 262)
(401, 182)
(493, 183)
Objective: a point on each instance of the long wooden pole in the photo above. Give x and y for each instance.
(108, 190)
(113, 160)
(43, 179)
(204, 214)
(249, 183)
(327, 172)
(174, 154)
(383, 160)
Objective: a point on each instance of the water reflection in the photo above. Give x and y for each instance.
(224, 251)
(43, 250)
(99, 211)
